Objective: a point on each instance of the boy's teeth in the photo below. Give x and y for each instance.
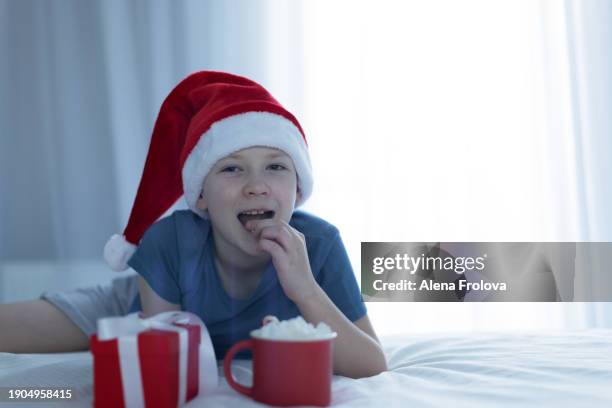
(254, 212)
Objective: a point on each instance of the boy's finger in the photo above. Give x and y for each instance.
(257, 225)
(271, 247)
(277, 233)
(291, 229)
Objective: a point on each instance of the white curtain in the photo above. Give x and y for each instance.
(462, 121)
(590, 46)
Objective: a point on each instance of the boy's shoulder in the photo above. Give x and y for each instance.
(178, 223)
(312, 226)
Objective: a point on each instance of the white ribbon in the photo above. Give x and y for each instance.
(126, 330)
(131, 380)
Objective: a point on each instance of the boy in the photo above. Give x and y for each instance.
(241, 252)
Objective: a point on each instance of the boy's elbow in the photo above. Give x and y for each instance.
(379, 362)
(379, 366)
(383, 366)
(373, 367)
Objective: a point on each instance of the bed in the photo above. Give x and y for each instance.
(544, 369)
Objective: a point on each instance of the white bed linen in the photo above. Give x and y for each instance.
(562, 369)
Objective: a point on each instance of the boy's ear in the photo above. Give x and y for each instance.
(201, 203)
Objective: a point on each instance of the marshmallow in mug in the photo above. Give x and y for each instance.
(292, 329)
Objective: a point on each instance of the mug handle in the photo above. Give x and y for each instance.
(227, 366)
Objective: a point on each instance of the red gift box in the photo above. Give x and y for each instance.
(157, 367)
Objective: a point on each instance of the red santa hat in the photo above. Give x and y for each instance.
(206, 117)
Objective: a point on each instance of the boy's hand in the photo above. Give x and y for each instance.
(287, 247)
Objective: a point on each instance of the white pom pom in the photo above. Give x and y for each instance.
(117, 252)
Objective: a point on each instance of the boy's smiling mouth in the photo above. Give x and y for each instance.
(248, 215)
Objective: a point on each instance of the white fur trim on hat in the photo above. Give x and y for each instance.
(239, 132)
(117, 252)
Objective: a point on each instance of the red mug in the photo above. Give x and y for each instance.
(286, 372)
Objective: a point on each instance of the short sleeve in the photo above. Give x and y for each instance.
(156, 260)
(338, 281)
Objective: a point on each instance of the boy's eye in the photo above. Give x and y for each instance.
(230, 169)
(276, 167)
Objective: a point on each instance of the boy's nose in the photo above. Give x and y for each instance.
(256, 186)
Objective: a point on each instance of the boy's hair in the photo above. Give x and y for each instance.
(207, 116)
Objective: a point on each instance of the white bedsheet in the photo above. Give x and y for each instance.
(571, 369)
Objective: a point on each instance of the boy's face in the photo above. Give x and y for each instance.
(242, 185)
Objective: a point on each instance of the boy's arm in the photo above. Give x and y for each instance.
(152, 303)
(37, 326)
(356, 350)
(356, 354)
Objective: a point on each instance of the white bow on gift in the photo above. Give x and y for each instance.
(126, 329)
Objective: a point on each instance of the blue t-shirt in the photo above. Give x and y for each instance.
(176, 258)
